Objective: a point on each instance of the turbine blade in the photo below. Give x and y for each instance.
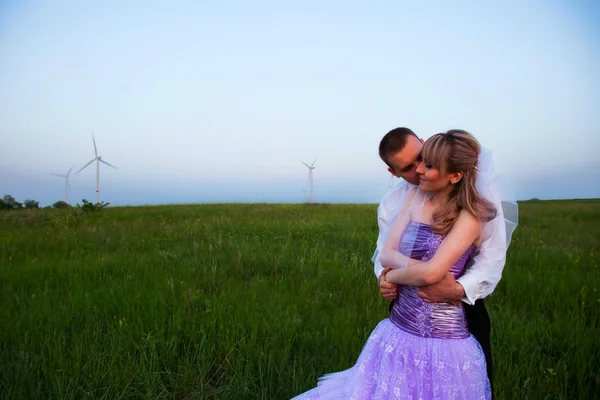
(58, 175)
(102, 161)
(95, 149)
(313, 164)
(70, 171)
(85, 166)
(305, 163)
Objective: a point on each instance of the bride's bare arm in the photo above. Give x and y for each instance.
(464, 232)
(390, 257)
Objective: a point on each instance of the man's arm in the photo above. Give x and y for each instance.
(389, 291)
(390, 202)
(382, 223)
(482, 277)
(388, 207)
(445, 291)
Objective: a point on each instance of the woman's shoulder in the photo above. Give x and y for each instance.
(467, 217)
(466, 220)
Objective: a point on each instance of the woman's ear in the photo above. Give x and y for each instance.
(456, 177)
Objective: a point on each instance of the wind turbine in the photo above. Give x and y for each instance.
(310, 177)
(98, 160)
(67, 186)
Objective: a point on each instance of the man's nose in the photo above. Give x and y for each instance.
(420, 168)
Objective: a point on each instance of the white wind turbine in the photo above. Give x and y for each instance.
(98, 160)
(310, 177)
(67, 186)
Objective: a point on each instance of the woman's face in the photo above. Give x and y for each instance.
(432, 180)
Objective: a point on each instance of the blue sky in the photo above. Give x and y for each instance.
(196, 101)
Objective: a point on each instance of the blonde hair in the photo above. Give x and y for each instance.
(452, 152)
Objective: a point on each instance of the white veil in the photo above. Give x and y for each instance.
(496, 189)
(403, 229)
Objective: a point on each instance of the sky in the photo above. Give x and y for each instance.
(197, 101)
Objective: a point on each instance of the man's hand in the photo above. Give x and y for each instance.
(445, 291)
(389, 291)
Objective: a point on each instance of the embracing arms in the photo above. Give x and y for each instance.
(464, 232)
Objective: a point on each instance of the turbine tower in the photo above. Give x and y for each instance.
(310, 177)
(67, 186)
(98, 160)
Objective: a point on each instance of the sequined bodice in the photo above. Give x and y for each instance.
(410, 313)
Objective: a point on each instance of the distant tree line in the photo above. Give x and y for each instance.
(8, 202)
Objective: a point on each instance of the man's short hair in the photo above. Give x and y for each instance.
(393, 142)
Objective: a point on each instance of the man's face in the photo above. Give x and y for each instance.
(405, 162)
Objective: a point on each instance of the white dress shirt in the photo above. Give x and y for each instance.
(485, 269)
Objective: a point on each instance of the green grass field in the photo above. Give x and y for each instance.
(258, 301)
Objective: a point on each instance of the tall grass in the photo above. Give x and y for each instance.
(258, 301)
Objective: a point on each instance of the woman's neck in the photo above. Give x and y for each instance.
(440, 198)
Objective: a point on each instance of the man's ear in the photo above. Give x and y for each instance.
(391, 171)
(422, 141)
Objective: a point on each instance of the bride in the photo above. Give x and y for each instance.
(424, 350)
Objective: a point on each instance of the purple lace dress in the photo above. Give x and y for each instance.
(423, 351)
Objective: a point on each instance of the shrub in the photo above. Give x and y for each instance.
(90, 207)
(31, 204)
(61, 204)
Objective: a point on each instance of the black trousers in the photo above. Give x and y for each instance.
(478, 320)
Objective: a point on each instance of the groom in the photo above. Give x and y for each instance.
(400, 149)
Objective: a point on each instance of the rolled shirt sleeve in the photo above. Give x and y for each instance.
(485, 270)
(391, 203)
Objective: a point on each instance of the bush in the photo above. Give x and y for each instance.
(61, 204)
(31, 204)
(90, 207)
